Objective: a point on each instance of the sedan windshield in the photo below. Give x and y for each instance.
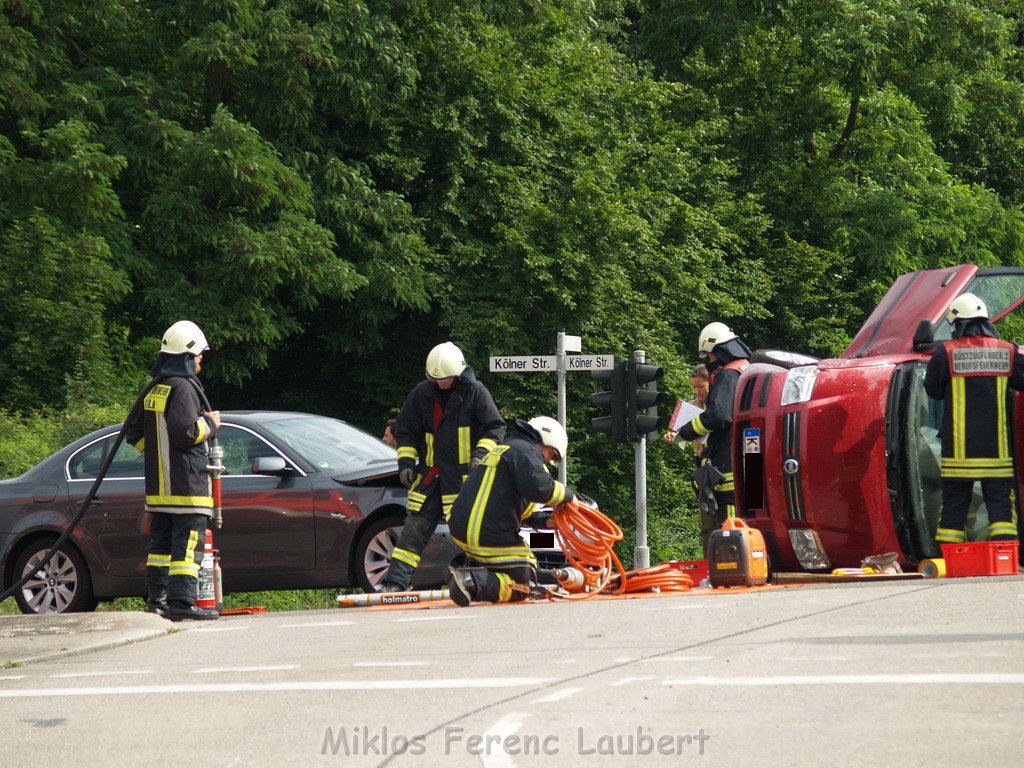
(329, 444)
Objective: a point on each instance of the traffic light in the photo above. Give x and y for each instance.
(641, 380)
(611, 402)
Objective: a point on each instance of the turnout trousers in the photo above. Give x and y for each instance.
(419, 527)
(175, 552)
(956, 502)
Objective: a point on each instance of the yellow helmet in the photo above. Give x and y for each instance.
(713, 335)
(444, 361)
(552, 434)
(184, 337)
(964, 307)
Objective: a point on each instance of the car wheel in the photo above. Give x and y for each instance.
(373, 553)
(62, 586)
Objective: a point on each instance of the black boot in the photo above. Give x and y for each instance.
(390, 586)
(156, 601)
(461, 586)
(180, 611)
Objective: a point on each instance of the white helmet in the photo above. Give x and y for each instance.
(184, 337)
(552, 434)
(444, 361)
(713, 335)
(964, 307)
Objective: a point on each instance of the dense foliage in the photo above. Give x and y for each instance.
(330, 187)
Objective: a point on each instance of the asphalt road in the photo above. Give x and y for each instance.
(896, 673)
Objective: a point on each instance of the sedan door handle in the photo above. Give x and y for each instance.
(93, 503)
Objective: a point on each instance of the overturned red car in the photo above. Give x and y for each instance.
(838, 459)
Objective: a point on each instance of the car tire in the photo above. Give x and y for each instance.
(373, 552)
(64, 586)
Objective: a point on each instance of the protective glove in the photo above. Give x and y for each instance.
(406, 477)
(540, 519)
(476, 457)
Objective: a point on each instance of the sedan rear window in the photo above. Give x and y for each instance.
(85, 464)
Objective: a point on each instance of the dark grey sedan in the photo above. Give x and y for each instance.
(308, 502)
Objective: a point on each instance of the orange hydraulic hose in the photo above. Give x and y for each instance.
(587, 537)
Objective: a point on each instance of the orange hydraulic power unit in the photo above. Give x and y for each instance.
(737, 556)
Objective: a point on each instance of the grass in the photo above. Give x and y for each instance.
(285, 600)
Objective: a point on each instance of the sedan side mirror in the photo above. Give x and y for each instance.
(271, 465)
(924, 336)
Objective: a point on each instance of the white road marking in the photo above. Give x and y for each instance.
(623, 659)
(631, 680)
(689, 607)
(566, 661)
(497, 734)
(660, 659)
(438, 617)
(240, 627)
(13, 677)
(317, 624)
(561, 695)
(967, 678)
(282, 687)
(102, 674)
(267, 668)
(390, 663)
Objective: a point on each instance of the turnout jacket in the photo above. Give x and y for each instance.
(438, 439)
(169, 429)
(716, 422)
(502, 492)
(972, 375)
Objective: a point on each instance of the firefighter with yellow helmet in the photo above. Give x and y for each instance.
(446, 426)
(500, 496)
(973, 374)
(171, 428)
(727, 357)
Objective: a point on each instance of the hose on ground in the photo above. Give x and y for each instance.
(588, 537)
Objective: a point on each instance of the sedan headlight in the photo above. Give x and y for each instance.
(799, 384)
(808, 549)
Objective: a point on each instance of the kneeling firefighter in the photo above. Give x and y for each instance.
(727, 357)
(499, 496)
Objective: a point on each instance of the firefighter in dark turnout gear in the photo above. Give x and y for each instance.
(727, 357)
(972, 374)
(170, 427)
(447, 424)
(499, 496)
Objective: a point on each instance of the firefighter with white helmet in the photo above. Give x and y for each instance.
(498, 497)
(447, 424)
(973, 374)
(727, 357)
(171, 428)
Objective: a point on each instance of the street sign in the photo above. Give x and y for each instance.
(549, 363)
(589, 362)
(524, 364)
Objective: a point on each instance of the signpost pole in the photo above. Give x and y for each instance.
(560, 356)
(641, 552)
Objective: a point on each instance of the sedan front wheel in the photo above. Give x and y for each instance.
(62, 585)
(373, 553)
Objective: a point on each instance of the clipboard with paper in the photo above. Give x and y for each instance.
(683, 413)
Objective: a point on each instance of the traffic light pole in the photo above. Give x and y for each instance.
(641, 552)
